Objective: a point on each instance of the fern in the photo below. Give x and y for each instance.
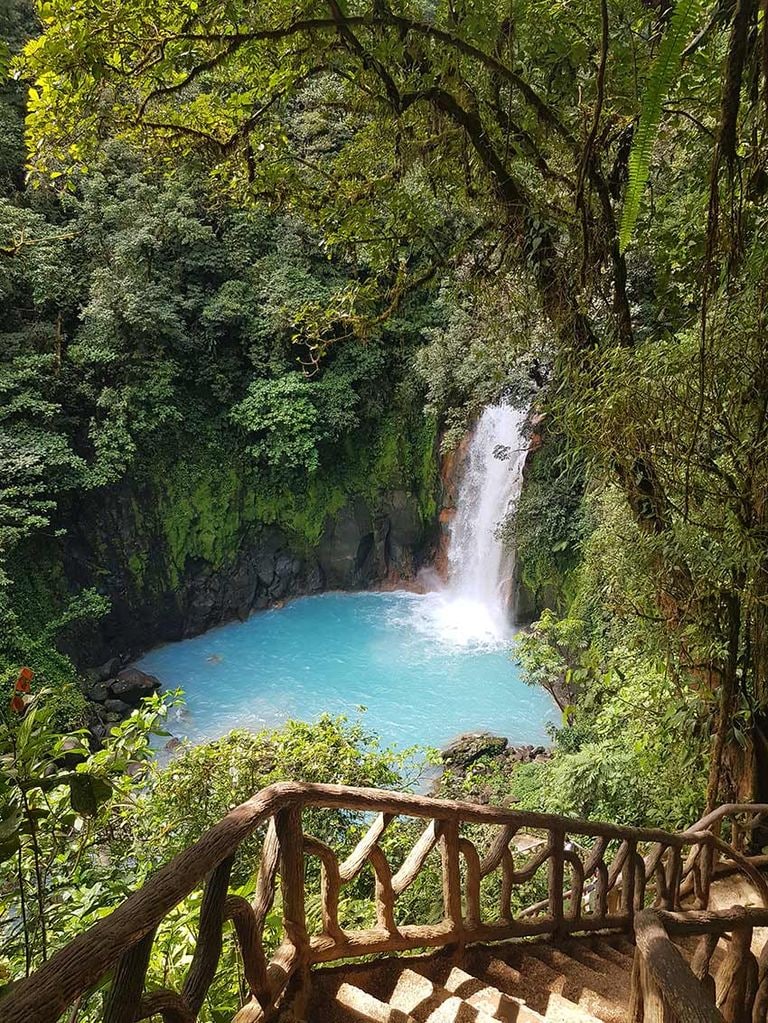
(663, 73)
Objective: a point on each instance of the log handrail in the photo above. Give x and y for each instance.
(706, 823)
(665, 987)
(120, 942)
(692, 877)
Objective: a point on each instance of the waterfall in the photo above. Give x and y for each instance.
(477, 604)
(480, 568)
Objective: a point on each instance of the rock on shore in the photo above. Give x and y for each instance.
(469, 747)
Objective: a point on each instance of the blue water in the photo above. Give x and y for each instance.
(406, 658)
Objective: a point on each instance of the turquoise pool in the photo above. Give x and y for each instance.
(424, 667)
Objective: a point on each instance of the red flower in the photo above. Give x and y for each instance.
(17, 704)
(22, 682)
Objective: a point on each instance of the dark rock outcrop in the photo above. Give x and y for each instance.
(471, 746)
(104, 671)
(118, 707)
(117, 697)
(132, 685)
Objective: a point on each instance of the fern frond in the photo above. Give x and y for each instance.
(665, 68)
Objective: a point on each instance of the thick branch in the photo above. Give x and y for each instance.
(233, 41)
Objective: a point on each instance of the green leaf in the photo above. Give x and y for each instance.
(88, 793)
(9, 826)
(663, 74)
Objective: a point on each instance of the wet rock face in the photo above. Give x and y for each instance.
(116, 698)
(170, 597)
(129, 687)
(132, 686)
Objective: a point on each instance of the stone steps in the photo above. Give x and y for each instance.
(582, 980)
(578, 980)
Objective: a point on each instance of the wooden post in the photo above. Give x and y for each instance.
(674, 873)
(736, 980)
(635, 1008)
(556, 878)
(291, 840)
(655, 1008)
(628, 882)
(449, 850)
(472, 863)
(209, 940)
(124, 998)
(706, 865)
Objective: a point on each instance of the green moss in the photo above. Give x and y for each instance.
(36, 601)
(137, 564)
(207, 503)
(204, 506)
(550, 525)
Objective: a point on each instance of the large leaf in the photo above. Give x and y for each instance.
(663, 74)
(88, 792)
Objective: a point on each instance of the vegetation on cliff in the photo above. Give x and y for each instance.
(157, 408)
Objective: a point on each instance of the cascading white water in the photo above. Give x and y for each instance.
(476, 605)
(480, 567)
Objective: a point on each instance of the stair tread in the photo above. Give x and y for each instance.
(621, 943)
(484, 996)
(547, 992)
(577, 980)
(607, 951)
(427, 1002)
(610, 983)
(367, 1007)
(614, 972)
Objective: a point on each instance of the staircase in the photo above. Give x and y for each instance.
(587, 979)
(635, 924)
(579, 981)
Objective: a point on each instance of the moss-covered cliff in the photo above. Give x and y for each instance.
(198, 537)
(549, 525)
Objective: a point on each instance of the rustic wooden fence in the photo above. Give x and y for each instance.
(597, 876)
(665, 988)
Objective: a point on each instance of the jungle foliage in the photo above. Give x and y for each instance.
(81, 829)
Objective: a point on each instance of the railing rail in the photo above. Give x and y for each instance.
(665, 989)
(612, 872)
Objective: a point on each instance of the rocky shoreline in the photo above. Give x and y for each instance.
(469, 747)
(115, 692)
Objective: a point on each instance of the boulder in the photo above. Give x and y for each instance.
(132, 685)
(118, 707)
(104, 671)
(471, 746)
(98, 692)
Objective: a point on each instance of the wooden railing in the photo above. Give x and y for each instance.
(597, 876)
(665, 989)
